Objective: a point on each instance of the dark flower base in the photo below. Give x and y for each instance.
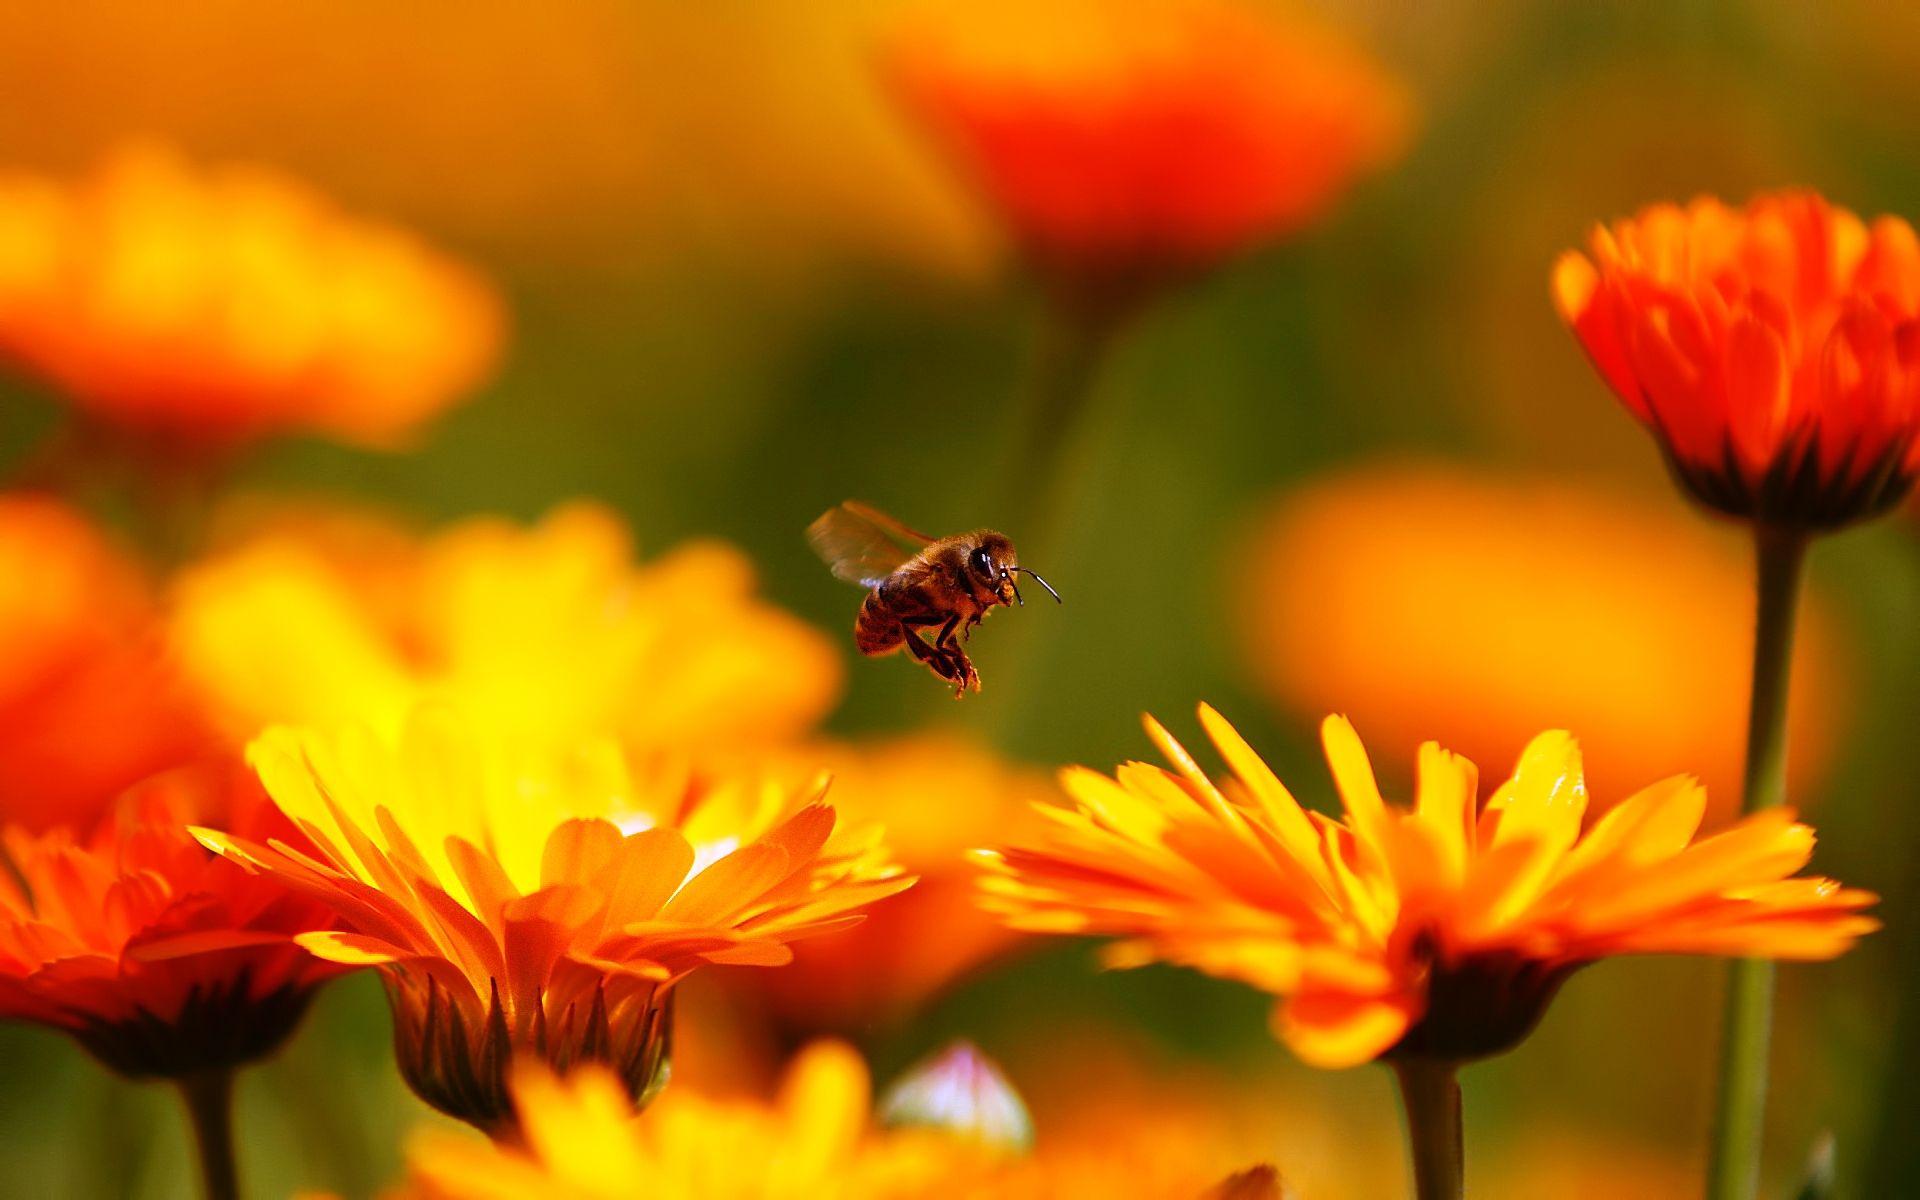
(1796, 493)
(1482, 1006)
(216, 1029)
(464, 1071)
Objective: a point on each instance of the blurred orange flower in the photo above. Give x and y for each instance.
(1432, 583)
(1438, 932)
(540, 635)
(937, 795)
(158, 957)
(1128, 141)
(213, 307)
(543, 904)
(1773, 350)
(89, 702)
(814, 1141)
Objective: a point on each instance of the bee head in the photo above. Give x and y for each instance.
(992, 567)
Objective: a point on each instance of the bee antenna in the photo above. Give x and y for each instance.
(1043, 583)
(1008, 576)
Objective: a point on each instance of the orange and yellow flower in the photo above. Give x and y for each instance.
(1432, 582)
(543, 905)
(89, 701)
(537, 635)
(158, 957)
(1439, 931)
(1128, 141)
(1773, 350)
(211, 307)
(815, 1140)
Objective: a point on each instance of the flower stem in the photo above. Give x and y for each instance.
(1740, 1111)
(1073, 344)
(209, 1100)
(1430, 1093)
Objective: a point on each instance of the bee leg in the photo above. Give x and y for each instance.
(965, 676)
(945, 641)
(936, 660)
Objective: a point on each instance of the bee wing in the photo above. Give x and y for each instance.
(861, 544)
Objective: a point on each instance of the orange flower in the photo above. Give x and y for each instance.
(89, 703)
(1774, 350)
(937, 795)
(159, 958)
(1126, 141)
(1438, 932)
(1431, 583)
(214, 307)
(542, 904)
(541, 635)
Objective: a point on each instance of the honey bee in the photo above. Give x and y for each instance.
(919, 582)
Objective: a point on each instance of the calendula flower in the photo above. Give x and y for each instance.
(211, 307)
(538, 635)
(89, 700)
(1126, 142)
(161, 959)
(543, 906)
(937, 795)
(1773, 350)
(1435, 932)
(1432, 582)
(814, 1140)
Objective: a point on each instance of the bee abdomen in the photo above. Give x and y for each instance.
(876, 630)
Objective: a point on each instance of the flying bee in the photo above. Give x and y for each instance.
(919, 582)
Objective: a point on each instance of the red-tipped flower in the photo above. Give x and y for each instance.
(1773, 350)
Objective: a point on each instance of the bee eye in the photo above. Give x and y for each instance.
(982, 562)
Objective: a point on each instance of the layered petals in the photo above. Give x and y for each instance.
(543, 906)
(158, 957)
(1441, 929)
(1773, 350)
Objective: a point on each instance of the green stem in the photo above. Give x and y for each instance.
(1740, 1111)
(1066, 367)
(1430, 1093)
(209, 1100)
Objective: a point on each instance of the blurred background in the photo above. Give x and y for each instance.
(1362, 468)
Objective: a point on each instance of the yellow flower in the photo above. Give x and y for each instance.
(543, 905)
(1435, 932)
(813, 1141)
(540, 635)
(211, 307)
(1431, 583)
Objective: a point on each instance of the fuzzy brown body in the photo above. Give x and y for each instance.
(936, 589)
(916, 582)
